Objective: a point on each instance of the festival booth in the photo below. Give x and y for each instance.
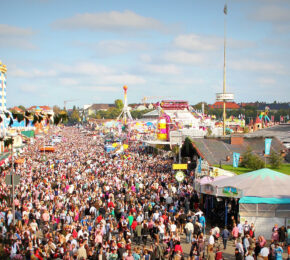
(219, 203)
(265, 199)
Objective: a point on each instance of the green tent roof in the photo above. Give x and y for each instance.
(28, 133)
(264, 183)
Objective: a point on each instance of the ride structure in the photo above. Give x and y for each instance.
(125, 114)
(264, 116)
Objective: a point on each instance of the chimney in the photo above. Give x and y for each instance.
(237, 139)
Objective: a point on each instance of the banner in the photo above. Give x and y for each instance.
(199, 165)
(267, 146)
(236, 158)
(272, 118)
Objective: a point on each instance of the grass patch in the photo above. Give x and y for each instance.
(285, 168)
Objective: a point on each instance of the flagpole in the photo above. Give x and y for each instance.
(224, 77)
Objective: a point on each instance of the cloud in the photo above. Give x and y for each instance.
(277, 15)
(266, 81)
(84, 68)
(272, 13)
(258, 66)
(16, 37)
(169, 69)
(194, 42)
(111, 21)
(33, 73)
(8, 30)
(29, 88)
(114, 47)
(99, 88)
(121, 79)
(183, 57)
(68, 81)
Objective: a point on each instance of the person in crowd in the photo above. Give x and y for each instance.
(235, 233)
(225, 236)
(84, 202)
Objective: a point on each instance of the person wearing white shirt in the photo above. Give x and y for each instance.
(161, 227)
(173, 228)
(211, 239)
(189, 228)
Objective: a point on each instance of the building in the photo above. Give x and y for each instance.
(43, 109)
(142, 107)
(220, 105)
(216, 150)
(16, 110)
(91, 110)
(249, 104)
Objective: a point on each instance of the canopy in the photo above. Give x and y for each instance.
(203, 184)
(28, 134)
(263, 183)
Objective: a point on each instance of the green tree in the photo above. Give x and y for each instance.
(276, 160)
(22, 107)
(119, 104)
(251, 160)
(187, 149)
(198, 106)
(74, 116)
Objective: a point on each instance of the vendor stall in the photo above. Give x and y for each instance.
(265, 199)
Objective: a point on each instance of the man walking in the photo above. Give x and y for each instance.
(225, 236)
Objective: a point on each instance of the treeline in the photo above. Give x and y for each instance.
(250, 112)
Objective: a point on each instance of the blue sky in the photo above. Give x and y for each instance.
(58, 50)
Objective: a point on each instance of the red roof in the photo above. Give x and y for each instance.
(229, 105)
(258, 120)
(42, 107)
(17, 109)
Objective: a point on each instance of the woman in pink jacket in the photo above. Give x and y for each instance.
(235, 232)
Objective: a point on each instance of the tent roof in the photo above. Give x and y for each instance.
(263, 183)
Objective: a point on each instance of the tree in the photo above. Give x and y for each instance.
(22, 107)
(251, 161)
(119, 104)
(74, 117)
(187, 149)
(198, 106)
(56, 109)
(275, 159)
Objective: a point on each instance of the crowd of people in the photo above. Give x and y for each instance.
(80, 202)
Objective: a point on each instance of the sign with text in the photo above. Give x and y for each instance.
(179, 166)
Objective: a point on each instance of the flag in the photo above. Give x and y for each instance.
(267, 146)
(236, 158)
(199, 165)
(226, 9)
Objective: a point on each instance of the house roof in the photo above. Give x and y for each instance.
(42, 107)
(215, 150)
(17, 109)
(229, 105)
(258, 120)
